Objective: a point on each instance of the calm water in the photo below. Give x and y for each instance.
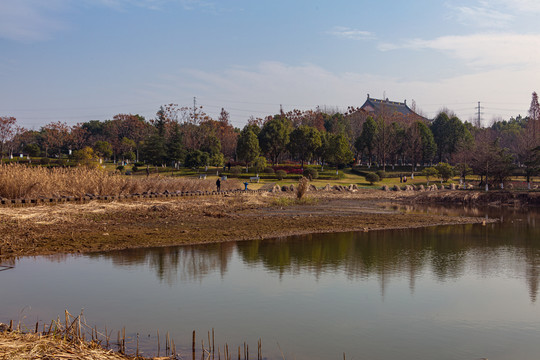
(461, 292)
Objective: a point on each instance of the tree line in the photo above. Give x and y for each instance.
(188, 136)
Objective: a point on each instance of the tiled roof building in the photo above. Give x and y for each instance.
(378, 107)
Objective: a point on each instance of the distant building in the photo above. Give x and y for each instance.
(376, 107)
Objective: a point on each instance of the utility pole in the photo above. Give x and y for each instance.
(479, 119)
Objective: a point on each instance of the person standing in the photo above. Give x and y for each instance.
(218, 185)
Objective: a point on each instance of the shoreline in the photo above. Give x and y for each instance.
(98, 226)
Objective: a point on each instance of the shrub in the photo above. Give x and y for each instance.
(120, 168)
(260, 164)
(381, 174)
(236, 171)
(372, 178)
(280, 174)
(311, 173)
(269, 170)
(135, 168)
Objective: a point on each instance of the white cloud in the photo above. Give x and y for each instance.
(349, 33)
(481, 50)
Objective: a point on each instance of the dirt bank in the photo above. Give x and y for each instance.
(101, 226)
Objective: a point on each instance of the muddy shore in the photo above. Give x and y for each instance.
(102, 226)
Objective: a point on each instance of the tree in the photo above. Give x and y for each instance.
(103, 149)
(429, 172)
(339, 150)
(367, 138)
(55, 136)
(126, 147)
(274, 137)
(7, 131)
(175, 149)
(247, 148)
(84, 156)
(154, 150)
(382, 140)
(534, 114)
(304, 142)
(413, 145)
(429, 147)
(488, 159)
(196, 158)
(448, 133)
(445, 170)
(397, 141)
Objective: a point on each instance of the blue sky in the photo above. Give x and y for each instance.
(78, 60)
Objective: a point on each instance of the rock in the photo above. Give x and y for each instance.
(396, 188)
(291, 187)
(421, 188)
(312, 187)
(327, 187)
(470, 187)
(354, 186)
(284, 188)
(452, 186)
(337, 187)
(385, 188)
(275, 188)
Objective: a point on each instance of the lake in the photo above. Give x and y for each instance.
(447, 292)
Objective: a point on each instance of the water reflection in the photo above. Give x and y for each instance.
(174, 264)
(447, 252)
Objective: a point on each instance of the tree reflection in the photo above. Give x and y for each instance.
(447, 252)
(179, 263)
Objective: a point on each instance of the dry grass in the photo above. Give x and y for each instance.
(303, 185)
(18, 181)
(18, 346)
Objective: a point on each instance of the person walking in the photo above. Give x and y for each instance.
(218, 185)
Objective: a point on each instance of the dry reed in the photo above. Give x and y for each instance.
(303, 185)
(19, 181)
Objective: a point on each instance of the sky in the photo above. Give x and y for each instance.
(81, 60)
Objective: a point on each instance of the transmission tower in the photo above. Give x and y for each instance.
(480, 113)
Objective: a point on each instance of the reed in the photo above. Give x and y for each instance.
(65, 339)
(20, 181)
